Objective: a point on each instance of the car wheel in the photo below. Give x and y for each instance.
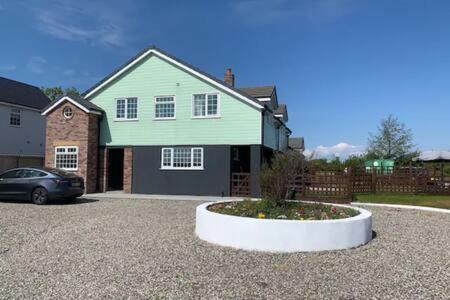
(39, 196)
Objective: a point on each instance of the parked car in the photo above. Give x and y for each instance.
(40, 185)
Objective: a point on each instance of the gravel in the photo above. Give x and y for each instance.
(147, 249)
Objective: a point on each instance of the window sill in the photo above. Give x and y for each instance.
(182, 169)
(163, 119)
(206, 117)
(15, 126)
(126, 120)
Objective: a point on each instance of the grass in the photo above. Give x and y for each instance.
(418, 200)
(264, 209)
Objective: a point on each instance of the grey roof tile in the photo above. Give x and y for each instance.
(259, 91)
(23, 94)
(83, 102)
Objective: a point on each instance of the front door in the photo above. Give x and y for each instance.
(115, 169)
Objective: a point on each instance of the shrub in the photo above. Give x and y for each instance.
(277, 177)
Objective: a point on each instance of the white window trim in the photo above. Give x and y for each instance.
(65, 147)
(175, 108)
(20, 117)
(124, 119)
(216, 116)
(181, 168)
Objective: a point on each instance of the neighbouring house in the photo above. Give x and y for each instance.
(22, 128)
(158, 125)
(297, 144)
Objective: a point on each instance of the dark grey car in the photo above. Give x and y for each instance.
(40, 185)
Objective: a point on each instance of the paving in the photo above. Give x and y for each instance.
(122, 248)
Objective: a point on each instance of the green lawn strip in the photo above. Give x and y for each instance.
(437, 201)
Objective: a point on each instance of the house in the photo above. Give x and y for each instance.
(297, 144)
(158, 125)
(21, 125)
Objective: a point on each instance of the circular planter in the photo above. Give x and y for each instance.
(283, 235)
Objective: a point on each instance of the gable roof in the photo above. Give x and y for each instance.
(297, 143)
(19, 93)
(81, 103)
(179, 63)
(281, 109)
(259, 91)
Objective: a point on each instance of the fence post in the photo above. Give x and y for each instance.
(349, 183)
(373, 186)
(303, 181)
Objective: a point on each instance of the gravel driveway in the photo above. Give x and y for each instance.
(147, 249)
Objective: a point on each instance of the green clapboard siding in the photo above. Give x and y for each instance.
(239, 123)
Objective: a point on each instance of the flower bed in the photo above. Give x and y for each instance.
(249, 226)
(291, 210)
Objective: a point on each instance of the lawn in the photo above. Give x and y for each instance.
(420, 200)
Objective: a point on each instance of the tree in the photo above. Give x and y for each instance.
(277, 177)
(393, 140)
(53, 93)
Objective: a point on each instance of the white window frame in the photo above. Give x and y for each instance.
(66, 147)
(171, 167)
(206, 116)
(174, 108)
(18, 112)
(125, 118)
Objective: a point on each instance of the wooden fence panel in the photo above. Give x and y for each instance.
(341, 184)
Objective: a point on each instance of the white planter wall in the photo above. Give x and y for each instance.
(283, 235)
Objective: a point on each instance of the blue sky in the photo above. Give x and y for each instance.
(340, 65)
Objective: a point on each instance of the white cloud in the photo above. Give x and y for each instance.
(37, 64)
(98, 25)
(341, 150)
(8, 68)
(316, 11)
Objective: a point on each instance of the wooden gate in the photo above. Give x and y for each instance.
(240, 184)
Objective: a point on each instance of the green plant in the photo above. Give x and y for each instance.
(277, 177)
(291, 210)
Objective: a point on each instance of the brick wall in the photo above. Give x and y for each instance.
(82, 131)
(127, 169)
(103, 170)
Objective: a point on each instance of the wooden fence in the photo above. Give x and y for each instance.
(339, 185)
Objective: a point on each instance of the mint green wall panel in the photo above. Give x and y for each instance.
(238, 124)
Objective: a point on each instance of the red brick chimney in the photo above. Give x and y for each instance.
(229, 78)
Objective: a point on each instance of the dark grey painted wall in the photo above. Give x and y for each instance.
(255, 168)
(214, 180)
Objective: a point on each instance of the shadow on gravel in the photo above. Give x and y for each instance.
(73, 202)
(374, 234)
(54, 202)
